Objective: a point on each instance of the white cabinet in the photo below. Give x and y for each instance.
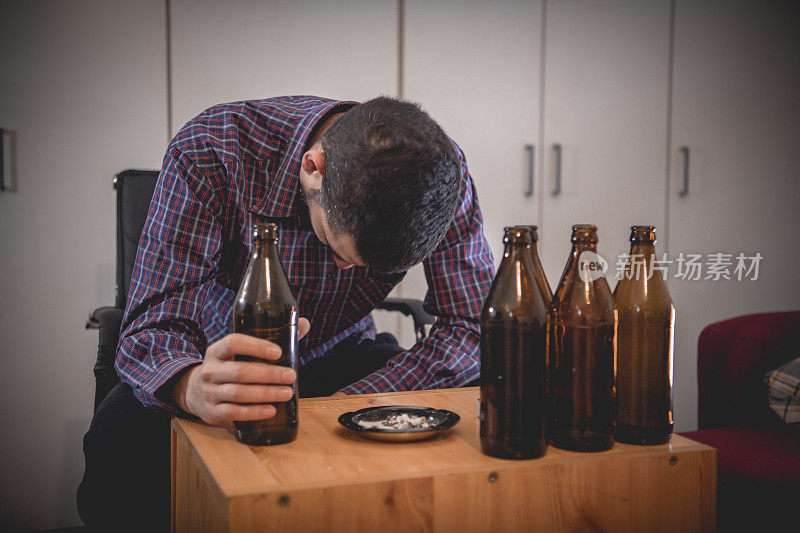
(602, 85)
(474, 66)
(236, 50)
(605, 104)
(591, 78)
(735, 107)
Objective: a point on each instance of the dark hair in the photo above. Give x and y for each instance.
(391, 182)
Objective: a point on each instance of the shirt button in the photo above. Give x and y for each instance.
(331, 275)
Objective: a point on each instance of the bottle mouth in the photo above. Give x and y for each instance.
(518, 235)
(265, 231)
(644, 234)
(534, 230)
(584, 233)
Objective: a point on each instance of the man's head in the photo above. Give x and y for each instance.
(382, 185)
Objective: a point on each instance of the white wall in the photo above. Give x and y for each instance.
(83, 84)
(240, 49)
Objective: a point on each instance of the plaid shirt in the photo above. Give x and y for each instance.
(237, 164)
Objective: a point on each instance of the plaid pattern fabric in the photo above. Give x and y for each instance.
(237, 164)
(784, 391)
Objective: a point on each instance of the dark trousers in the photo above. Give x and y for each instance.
(126, 484)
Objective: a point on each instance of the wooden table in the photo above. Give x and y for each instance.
(331, 480)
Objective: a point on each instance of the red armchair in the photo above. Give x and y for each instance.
(759, 454)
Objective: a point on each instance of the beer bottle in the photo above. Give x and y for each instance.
(513, 357)
(646, 321)
(581, 350)
(266, 308)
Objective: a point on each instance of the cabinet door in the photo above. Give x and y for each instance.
(605, 103)
(735, 107)
(474, 67)
(235, 50)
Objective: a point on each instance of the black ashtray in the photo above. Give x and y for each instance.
(439, 421)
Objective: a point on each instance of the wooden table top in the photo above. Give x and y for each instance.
(325, 454)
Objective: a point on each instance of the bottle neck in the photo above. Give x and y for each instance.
(264, 247)
(517, 256)
(513, 251)
(571, 270)
(580, 247)
(643, 250)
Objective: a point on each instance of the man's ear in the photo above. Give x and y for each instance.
(313, 168)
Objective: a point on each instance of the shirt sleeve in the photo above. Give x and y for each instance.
(178, 252)
(459, 274)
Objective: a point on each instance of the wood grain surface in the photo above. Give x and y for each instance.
(330, 479)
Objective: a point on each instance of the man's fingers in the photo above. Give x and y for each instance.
(237, 393)
(244, 413)
(245, 372)
(303, 325)
(240, 344)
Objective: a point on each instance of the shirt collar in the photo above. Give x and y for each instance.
(281, 198)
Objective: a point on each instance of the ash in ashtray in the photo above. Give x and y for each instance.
(402, 421)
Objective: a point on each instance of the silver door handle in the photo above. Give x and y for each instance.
(685, 189)
(557, 150)
(531, 159)
(2, 160)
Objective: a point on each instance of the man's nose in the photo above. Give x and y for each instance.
(344, 265)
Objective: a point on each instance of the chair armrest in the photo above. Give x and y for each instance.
(109, 321)
(93, 321)
(410, 307)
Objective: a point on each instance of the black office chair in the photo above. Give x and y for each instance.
(134, 192)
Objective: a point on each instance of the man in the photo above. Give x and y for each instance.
(360, 193)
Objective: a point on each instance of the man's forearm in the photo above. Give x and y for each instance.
(152, 361)
(448, 357)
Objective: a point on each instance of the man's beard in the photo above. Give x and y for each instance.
(310, 196)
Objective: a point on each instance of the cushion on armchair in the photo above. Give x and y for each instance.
(752, 454)
(784, 391)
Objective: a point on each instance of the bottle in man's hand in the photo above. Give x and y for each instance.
(266, 308)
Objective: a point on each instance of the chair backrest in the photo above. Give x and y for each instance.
(732, 358)
(134, 192)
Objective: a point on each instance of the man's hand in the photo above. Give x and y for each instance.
(221, 390)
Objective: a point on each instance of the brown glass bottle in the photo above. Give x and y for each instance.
(645, 329)
(581, 350)
(266, 308)
(513, 355)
